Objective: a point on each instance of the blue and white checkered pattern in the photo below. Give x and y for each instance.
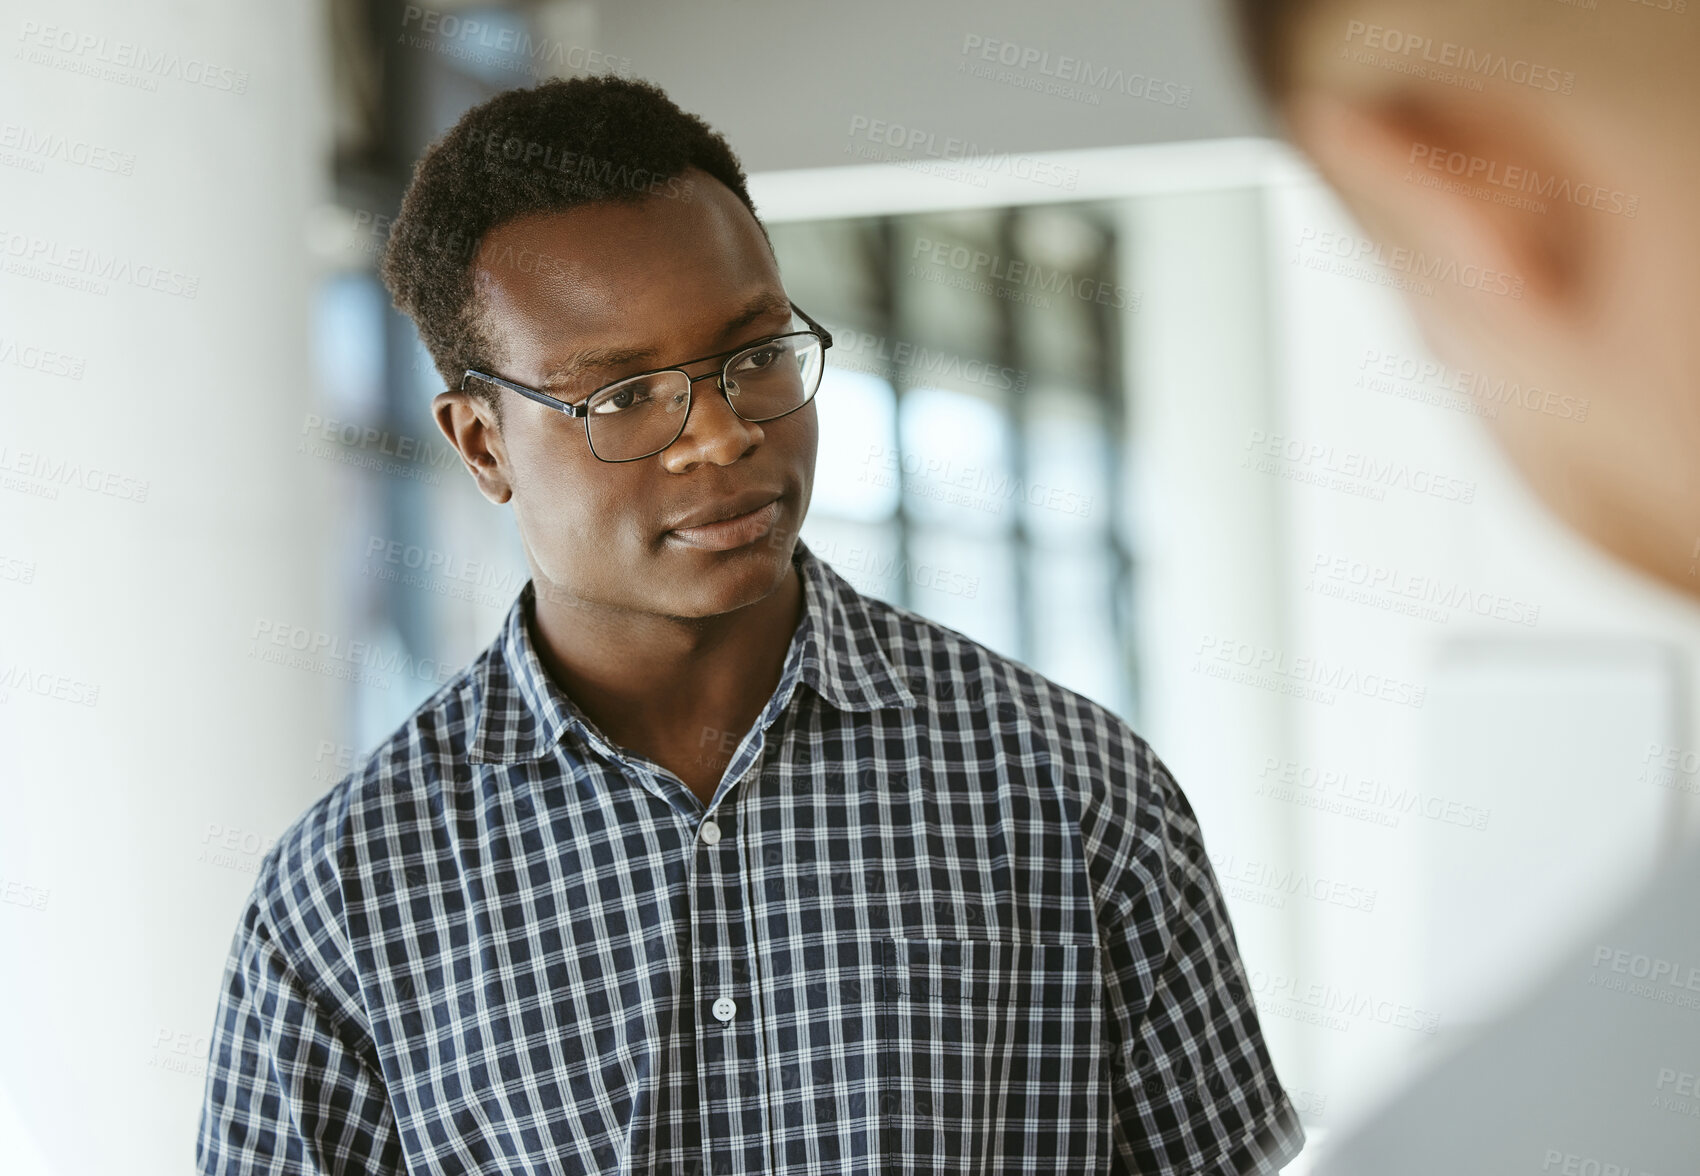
(941, 916)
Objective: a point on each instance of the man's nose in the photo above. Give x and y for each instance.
(713, 431)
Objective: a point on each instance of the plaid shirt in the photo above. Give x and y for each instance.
(942, 915)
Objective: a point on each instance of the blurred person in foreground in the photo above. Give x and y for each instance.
(710, 863)
(1560, 143)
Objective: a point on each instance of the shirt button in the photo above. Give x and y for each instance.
(710, 833)
(725, 1009)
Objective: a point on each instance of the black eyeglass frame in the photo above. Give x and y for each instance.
(582, 409)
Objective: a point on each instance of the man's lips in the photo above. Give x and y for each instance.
(730, 533)
(729, 506)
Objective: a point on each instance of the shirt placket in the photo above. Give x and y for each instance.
(732, 1084)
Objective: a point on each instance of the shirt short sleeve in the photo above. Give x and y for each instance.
(291, 1087)
(1193, 1090)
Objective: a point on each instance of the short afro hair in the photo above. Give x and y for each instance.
(550, 147)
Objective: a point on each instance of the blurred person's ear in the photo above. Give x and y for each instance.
(1379, 157)
(1604, 300)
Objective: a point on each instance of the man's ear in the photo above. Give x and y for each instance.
(1445, 176)
(471, 428)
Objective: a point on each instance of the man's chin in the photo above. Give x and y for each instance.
(707, 583)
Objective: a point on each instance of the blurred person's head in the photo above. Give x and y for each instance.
(564, 237)
(1556, 142)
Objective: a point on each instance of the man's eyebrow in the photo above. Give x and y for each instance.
(593, 358)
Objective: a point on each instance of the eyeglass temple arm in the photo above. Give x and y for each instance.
(561, 406)
(825, 335)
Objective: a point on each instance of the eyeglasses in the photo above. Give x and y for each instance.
(639, 416)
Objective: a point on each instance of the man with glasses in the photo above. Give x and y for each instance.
(710, 863)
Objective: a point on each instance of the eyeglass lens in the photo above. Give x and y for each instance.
(637, 417)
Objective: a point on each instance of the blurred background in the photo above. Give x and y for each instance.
(1117, 390)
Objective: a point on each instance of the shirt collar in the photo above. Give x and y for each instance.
(836, 650)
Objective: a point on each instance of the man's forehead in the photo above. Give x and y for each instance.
(605, 284)
(614, 255)
(556, 350)
(642, 347)
(611, 236)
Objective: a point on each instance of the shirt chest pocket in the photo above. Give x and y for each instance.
(990, 1057)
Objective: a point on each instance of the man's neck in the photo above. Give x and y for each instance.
(682, 692)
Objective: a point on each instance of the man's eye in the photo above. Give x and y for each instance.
(629, 395)
(618, 400)
(756, 360)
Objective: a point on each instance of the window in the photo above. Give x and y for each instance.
(972, 425)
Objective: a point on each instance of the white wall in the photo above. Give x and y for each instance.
(120, 895)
